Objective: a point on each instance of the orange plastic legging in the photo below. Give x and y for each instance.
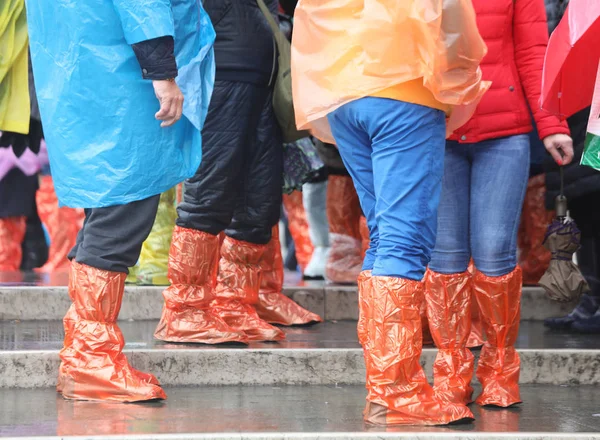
(477, 336)
(298, 226)
(12, 232)
(534, 258)
(347, 243)
(63, 225)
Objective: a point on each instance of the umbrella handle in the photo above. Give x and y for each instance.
(562, 181)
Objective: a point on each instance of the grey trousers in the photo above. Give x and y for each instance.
(111, 238)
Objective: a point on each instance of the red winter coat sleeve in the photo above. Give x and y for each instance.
(531, 38)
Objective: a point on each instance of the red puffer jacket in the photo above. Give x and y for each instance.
(516, 34)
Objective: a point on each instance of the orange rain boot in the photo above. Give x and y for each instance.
(273, 306)
(63, 225)
(343, 211)
(398, 392)
(12, 233)
(298, 226)
(186, 315)
(449, 312)
(238, 283)
(476, 338)
(499, 364)
(93, 365)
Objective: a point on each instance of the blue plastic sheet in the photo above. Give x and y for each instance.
(105, 145)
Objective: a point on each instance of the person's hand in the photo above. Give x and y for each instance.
(560, 146)
(171, 102)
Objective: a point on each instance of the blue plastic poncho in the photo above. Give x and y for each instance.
(105, 145)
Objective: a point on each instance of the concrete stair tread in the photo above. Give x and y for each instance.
(324, 354)
(318, 412)
(27, 302)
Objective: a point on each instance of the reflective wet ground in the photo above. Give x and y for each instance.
(314, 409)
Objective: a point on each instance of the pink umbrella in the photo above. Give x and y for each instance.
(572, 60)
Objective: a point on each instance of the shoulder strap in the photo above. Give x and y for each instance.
(268, 16)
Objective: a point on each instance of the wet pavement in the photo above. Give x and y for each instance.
(48, 335)
(315, 409)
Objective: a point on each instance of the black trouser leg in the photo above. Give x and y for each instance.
(210, 196)
(111, 238)
(258, 205)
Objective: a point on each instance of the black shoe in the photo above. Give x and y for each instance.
(589, 325)
(561, 323)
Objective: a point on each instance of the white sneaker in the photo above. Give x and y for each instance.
(316, 267)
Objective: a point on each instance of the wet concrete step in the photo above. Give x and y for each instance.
(325, 354)
(331, 302)
(286, 413)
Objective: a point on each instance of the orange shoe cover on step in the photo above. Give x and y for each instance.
(346, 243)
(238, 283)
(298, 226)
(499, 364)
(93, 364)
(273, 306)
(187, 315)
(63, 225)
(398, 392)
(12, 233)
(449, 314)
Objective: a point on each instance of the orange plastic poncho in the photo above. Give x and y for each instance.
(343, 50)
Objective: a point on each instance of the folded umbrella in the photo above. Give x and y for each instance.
(572, 60)
(301, 163)
(563, 280)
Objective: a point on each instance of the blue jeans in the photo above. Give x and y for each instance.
(482, 195)
(394, 152)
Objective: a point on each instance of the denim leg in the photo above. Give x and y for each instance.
(406, 155)
(452, 248)
(498, 183)
(355, 148)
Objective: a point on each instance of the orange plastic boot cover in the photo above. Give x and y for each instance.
(364, 316)
(63, 225)
(499, 364)
(298, 226)
(449, 313)
(344, 214)
(273, 306)
(427, 338)
(93, 365)
(476, 338)
(365, 236)
(186, 316)
(12, 232)
(398, 392)
(534, 258)
(238, 283)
